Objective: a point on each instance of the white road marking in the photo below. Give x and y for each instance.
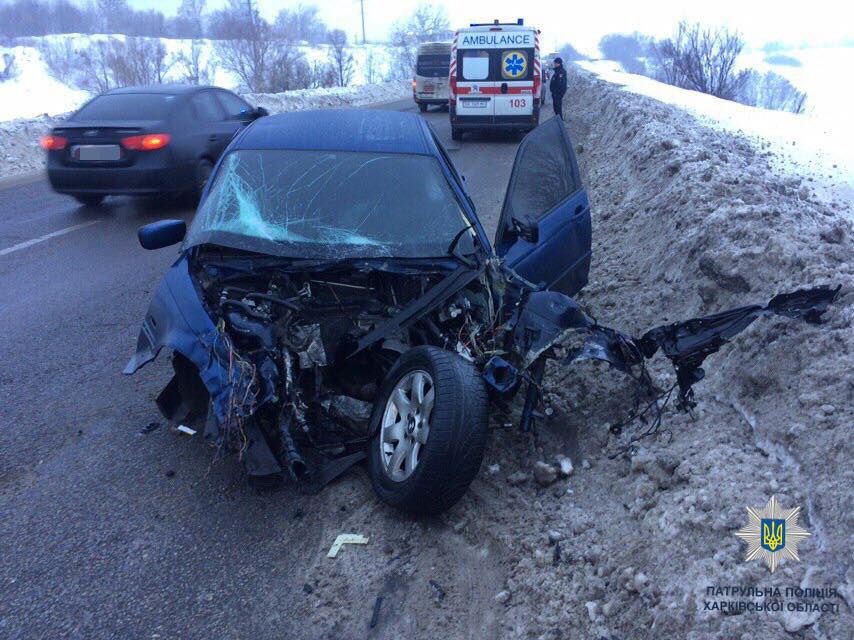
(47, 236)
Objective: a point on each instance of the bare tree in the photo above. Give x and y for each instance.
(300, 23)
(189, 23)
(342, 60)
(427, 23)
(701, 59)
(193, 67)
(7, 67)
(771, 91)
(250, 48)
(138, 61)
(370, 71)
(569, 53)
(113, 15)
(107, 64)
(627, 49)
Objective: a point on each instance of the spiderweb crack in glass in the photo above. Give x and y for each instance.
(323, 204)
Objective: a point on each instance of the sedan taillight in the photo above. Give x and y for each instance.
(148, 142)
(53, 143)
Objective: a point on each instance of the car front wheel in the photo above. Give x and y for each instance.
(431, 423)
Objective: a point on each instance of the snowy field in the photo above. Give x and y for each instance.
(816, 145)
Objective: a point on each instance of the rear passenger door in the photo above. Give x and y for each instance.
(544, 232)
(212, 131)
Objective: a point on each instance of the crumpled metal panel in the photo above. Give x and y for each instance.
(177, 319)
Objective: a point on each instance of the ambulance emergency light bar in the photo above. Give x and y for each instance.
(520, 22)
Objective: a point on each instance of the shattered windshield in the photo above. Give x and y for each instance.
(330, 205)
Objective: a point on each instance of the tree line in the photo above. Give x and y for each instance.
(45, 17)
(701, 59)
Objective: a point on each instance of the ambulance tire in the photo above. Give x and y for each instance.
(456, 134)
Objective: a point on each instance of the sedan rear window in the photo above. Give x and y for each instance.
(330, 205)
(127, 106)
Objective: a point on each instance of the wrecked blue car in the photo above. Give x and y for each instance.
(336, 300)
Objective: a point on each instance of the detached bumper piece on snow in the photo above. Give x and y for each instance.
(686, 344)
(305, 368)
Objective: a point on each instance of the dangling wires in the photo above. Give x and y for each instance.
(242, 394)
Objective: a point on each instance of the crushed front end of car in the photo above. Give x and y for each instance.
(287, 362)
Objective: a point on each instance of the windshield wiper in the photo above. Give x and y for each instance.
(452, 249)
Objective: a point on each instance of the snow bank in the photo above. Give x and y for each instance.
(33, 91)
(689, 218)
(818, 147)
(352, 96)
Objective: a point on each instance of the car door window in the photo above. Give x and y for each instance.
(544, 175)
(206, 107)
(234, 106)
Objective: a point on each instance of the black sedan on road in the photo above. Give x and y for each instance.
(144, 141)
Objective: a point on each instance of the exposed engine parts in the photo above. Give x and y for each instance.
(296, 351)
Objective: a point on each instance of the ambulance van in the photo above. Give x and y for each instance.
(495, 78)
(432, 66)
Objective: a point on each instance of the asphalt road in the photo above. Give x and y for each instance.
(109, 533)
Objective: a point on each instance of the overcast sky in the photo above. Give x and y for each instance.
(817, 22)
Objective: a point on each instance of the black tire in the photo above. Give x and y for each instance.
(451, 456)
(90, 199)
(422, 107)
(456, 134)
(204, 167)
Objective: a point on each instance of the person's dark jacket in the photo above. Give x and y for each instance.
(557, 85)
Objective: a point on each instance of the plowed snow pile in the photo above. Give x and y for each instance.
(687, 220)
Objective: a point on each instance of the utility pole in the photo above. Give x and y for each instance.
(362, 5)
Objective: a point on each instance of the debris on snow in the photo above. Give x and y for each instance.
(544, 473)
(345, 538)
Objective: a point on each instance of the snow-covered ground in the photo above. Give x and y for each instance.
(822, 75)
(34, 91)
(814, 145)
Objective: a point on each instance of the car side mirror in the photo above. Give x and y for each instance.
(527, 229)
(162, 233)
(260, 112)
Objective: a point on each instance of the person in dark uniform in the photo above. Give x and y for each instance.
(557, 86)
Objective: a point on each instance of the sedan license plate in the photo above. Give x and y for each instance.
(96, 152)
(476, 104)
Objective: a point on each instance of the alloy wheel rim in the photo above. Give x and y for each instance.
(405, 424)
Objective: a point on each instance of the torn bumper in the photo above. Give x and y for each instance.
(177, 319)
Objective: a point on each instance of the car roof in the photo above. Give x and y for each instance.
(171, 89)
(340, 130)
